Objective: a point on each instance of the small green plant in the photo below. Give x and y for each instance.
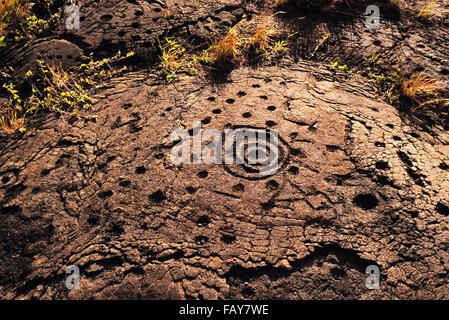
(221, 54)
(429, 10)
(319, 45)
(13, 12)
(29, 27)
(53, 89)
(261, 40)
(171, 57)
(98, 70)
(280, 45)
(406, 92)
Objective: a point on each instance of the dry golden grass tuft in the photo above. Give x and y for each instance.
(433, 11)
(429, 10)
(424, 92)
(419, 86)
(9, 121)
(223, 51)
(261, 39)
(171, 57)
(60, 78)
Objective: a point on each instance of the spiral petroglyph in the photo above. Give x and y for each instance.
(260, 155)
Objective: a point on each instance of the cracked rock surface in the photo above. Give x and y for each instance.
(357, 187)
(358, 183)
(126, 25)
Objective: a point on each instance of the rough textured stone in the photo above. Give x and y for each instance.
(358, 187)
(359, 184)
